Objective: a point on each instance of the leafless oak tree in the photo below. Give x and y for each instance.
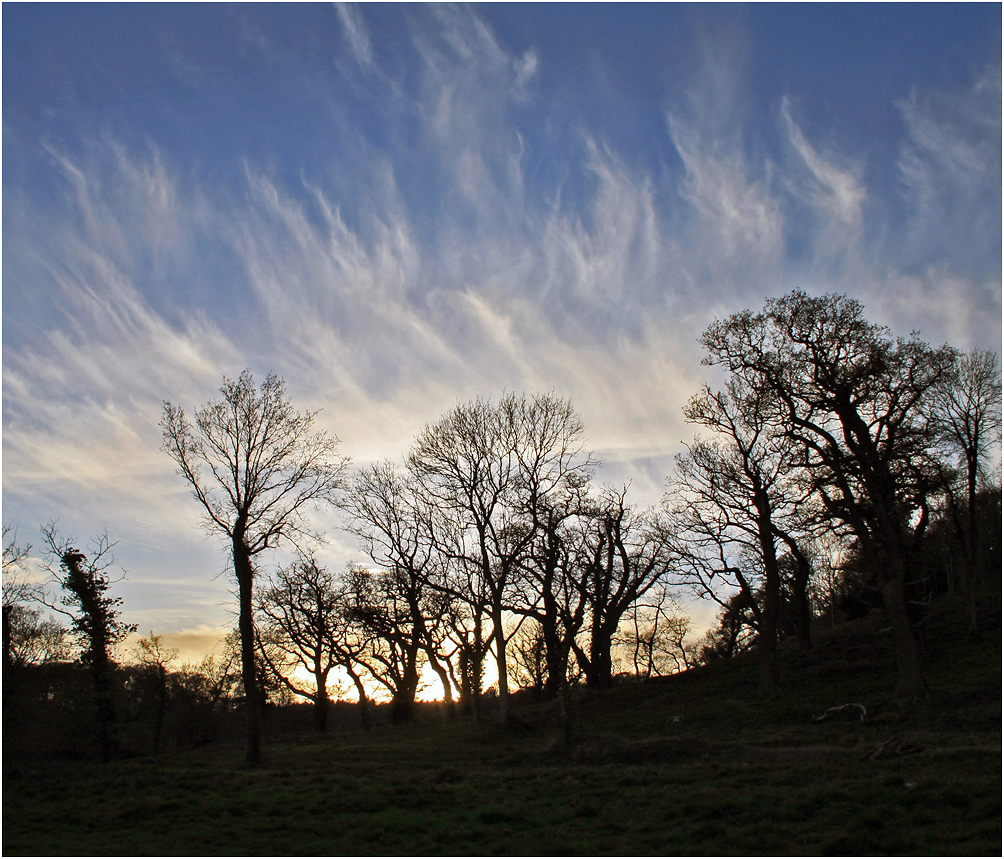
(854, 400)
(386, 513)
(735, 494)
(627, 552)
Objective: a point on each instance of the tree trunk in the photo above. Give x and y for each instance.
(600, 673)
(403, 703)
(101, 671)
(444, 678)
(252, 702)
(321, 705)
(364, 708)
(158, 730)
(910, 686)
(499, 635)
(8, 610)
(767, 633)
(975, 559)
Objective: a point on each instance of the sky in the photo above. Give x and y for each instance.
(400, 207)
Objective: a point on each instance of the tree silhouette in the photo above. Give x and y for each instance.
(256, 466)
(966, 411)
(299, 625)
(627, 552)
(854, 401)
(153, 655)
(95, 619)
(483, 471)
(735, 494)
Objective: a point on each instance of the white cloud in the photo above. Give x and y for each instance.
(950, 165)
(356, 34)
(835, 193)
(384, 313)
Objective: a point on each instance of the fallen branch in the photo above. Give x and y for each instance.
(843, 708)
(893, 748)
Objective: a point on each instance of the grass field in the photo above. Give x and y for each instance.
(692, 764)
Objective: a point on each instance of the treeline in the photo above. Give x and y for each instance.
(838, 470)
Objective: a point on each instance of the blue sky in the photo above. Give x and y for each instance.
(397, 207)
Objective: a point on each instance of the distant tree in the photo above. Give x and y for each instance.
(35, 639)
(298, 627)
(155, 657)
(734, 634)
(95, 618)
(265, 467)
(966, 410)
(627, 552)
(653, 636)
(528, 662)
(202, 695)
(18, 589)
(854, 401)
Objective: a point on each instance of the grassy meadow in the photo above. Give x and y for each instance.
(690, 764)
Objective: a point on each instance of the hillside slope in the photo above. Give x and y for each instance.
(691, 764)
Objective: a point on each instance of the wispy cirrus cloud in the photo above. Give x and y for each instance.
(443, 251)
(356, 34)
(950, 165)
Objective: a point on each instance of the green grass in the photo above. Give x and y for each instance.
(735, 775)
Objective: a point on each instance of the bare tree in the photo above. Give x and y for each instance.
(34, 639)
(18, 589)
(966, 410)
(387, 514)
(153, 655)
(298, 624)
(627, 551)
(552, 597)
(854, 400)
(653, 636)
(483, 471)
(95, 618)
(736, 494)
(256, 466)
(386, 605)
(528, 657)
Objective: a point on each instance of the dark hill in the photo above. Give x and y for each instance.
(690, 764)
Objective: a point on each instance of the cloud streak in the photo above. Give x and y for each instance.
(469, 265)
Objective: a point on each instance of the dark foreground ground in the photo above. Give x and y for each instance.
(693, 764)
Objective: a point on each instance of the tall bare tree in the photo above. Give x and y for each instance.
(256, 466)
(552, 596)
(484, 470)
(386, 513)
(966, 410)
(855, 400)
